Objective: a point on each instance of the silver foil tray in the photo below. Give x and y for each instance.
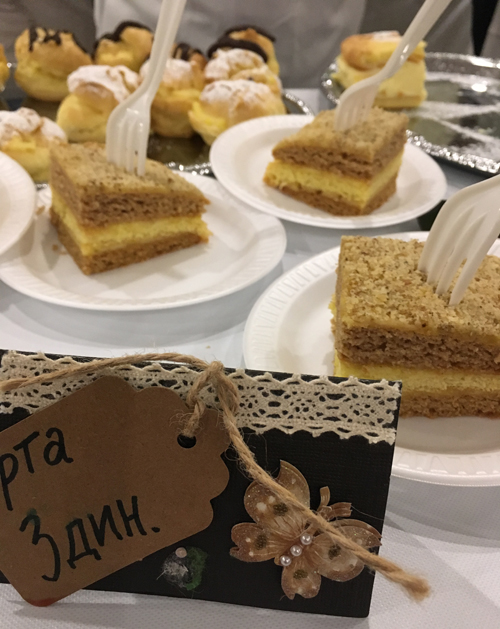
(460, 120)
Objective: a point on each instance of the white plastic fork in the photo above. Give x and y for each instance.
(127, 131)
(355, 103)
(466, 227)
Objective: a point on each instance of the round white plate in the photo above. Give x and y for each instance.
(244, 247)
(240, 155)
(17, 202)
(289, 330)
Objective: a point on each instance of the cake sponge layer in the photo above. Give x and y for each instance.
(333, 192)
(99, 193)
(361, 152)
(386, 313)
(130, 253)
(94, 240)
(431, 392)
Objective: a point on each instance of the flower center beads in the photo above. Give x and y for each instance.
(296, 550)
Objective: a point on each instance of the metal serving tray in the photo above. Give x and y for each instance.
(460, 120)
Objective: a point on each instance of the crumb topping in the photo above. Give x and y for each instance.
(381, 287)
(87, 167)
(366, 138)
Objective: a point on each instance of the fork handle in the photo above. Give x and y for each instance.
(166, 30)
(421, 24)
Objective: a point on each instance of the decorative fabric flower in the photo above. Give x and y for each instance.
(281, 532)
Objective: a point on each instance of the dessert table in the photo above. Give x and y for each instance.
(451, 535)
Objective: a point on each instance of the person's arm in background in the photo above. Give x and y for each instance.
(70, 15)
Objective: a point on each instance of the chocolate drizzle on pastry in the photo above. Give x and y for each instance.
(116, 35)
(244, 27)
(229, 42)
(185, 51)
(47, 36)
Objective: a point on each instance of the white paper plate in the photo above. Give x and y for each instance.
(240, 155)
(17, 202)
(289, 330)
(244, 247)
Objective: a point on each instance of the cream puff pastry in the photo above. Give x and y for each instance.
(261, 38)
(128, 45)
(94, 92)
(223, 104)
(45, 59)
(28, 138)
(180, 87)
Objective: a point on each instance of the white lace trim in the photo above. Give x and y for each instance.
(349, 408)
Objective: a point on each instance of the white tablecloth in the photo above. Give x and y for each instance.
(451, 535)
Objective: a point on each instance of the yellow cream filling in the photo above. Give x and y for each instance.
(92, 240)
(408, 81)
(422, 381)
(355, 191)
(33, 156)
(207, 125)
(184, 97)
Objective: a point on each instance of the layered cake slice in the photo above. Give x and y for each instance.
(389, 323)
(108, 218)
(345, 173)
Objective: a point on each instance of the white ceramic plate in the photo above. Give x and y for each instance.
(17, 202)
(244, 247)
(240, 155)
(289, 330)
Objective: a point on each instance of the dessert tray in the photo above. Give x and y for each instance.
(184, 154)
(460, 120)
(289, 330)
(192, 155)
(240, 155)
(244, 247)
(17, 202)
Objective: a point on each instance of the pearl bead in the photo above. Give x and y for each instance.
(296, 550)
(306, 539)
(285, 560)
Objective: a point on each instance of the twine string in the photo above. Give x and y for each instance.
(213, 374)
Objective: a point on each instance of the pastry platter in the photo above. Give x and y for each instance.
(243, 248)
(289, 330)
(239, 158)
(460, 120)
(184, 154)
(192, 155)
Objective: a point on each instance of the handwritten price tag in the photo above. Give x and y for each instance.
(99, 480)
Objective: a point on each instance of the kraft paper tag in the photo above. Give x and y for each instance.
(98, 481)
